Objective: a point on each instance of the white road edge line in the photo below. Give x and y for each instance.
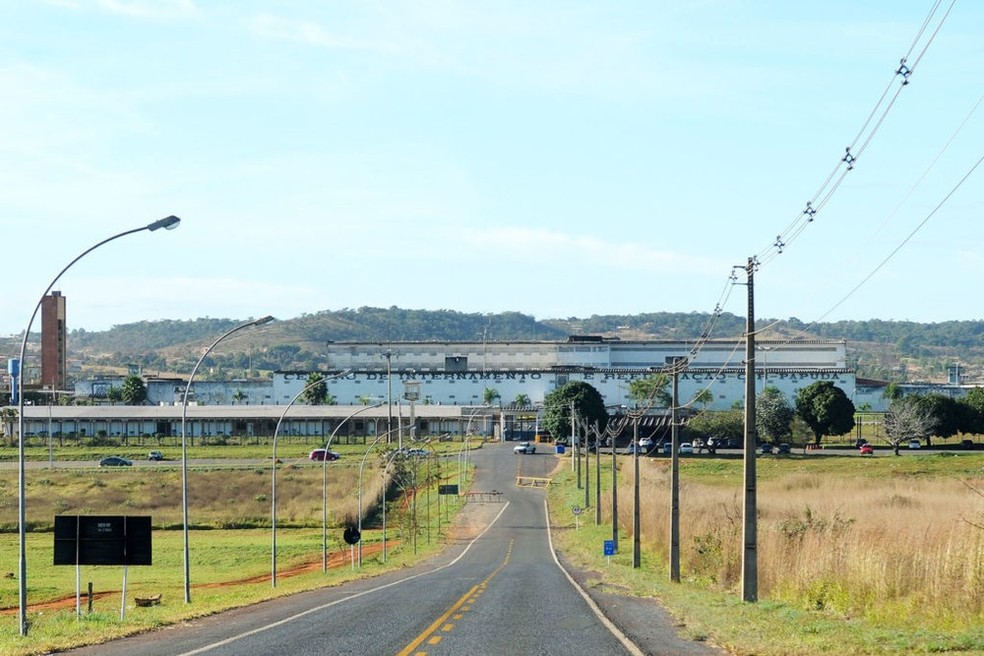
(632, 647)
(267, 627)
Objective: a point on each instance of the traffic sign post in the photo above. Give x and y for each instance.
(577, 513)
(609, 550)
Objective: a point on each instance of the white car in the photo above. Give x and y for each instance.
(686, 447)
(646, 443)
(524, 447)
(915, 444)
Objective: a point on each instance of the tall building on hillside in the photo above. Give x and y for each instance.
(54, 342)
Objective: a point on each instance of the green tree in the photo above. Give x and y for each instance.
(722, 424)
(490, 395)
(316, 389)
(704, 398)
(773, 415)
(239, 396)
(973, 416)
(588, 405)
(134, 392)
(114, 394)
(651, 391)
(892, 392)
(826, 409)
(522, 401)
(946, 414)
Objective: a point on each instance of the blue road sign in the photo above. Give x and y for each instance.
(609, 547)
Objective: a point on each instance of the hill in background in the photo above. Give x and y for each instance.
(886, 350)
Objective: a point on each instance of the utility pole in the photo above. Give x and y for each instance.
(749, 569)
(636, 541)
(587, 466)
(575, 447)
(389, 392)
(615, 488)
(675, 478)
(597, 475)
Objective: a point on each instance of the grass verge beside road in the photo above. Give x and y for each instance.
(856, 556)
(229, 567)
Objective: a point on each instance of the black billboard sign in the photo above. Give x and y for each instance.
(102, 540)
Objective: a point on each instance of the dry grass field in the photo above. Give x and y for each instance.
(890, 541)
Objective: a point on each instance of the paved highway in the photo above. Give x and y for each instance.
(496, 590)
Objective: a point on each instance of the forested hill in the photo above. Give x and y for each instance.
(876, 347)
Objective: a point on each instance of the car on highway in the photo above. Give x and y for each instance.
(915, 444)
(867, 449)
(114, 461)
(155, 455)
(322, 455)
(524, 447)
(686, 448)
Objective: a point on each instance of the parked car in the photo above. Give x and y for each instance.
(766, 448)
(686, 448)
(324, 454)
(646, 443)
(524, 447)
(667, 447)
(915, 444)
(155, 455)
(867, 449)
(114, 461)
(784, 449)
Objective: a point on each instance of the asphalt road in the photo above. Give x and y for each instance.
(502, 592)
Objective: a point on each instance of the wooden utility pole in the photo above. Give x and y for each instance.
(749, 569)
(636, 527)
(675, 479)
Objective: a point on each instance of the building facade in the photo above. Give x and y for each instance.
(54, 342)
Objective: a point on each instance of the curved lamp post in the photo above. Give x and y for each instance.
(167, 223)
(324, 487)
(273, 486)
(389, 461)
(184, 447)
(463, 451)
(362, 464)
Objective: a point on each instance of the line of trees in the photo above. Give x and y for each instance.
(823, 408)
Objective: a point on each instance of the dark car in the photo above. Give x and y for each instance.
(114, 461)
(155, 455)
(784, 449)
(324, 454)
(766, 448)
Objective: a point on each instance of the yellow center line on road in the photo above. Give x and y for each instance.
(469, 597)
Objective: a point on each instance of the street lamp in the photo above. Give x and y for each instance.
(168, 223)
(273, 484)
(184, 446)
(324, 487)
(361, 466)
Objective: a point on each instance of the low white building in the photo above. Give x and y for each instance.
(448, 383)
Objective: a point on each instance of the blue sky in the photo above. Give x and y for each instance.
(560, 159)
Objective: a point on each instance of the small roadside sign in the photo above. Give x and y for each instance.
(609, 547)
